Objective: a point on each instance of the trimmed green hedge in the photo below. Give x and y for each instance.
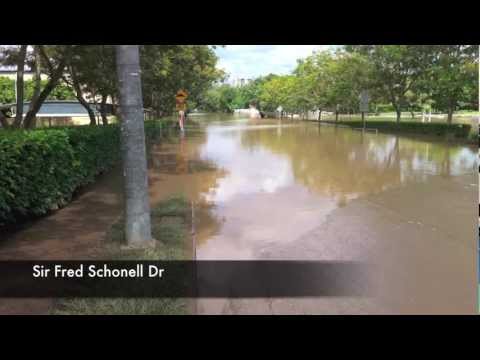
(457, 130)
(41, 169)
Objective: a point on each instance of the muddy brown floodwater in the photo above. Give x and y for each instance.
(267, 189)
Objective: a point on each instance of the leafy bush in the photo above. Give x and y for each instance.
(457, 130)
(41, 169)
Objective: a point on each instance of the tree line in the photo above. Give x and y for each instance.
(87, 73)
(398, 78)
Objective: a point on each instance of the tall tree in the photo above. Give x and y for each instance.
(397, 69)
(453, 78)
(168, 68)
(90, 71)
(56, 59)
(137, 208)
(74, 82)
(346, 76)
(312, 73)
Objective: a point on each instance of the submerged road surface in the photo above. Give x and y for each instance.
(271, 190)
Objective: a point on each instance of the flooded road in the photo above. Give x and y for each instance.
(267, 189)
(297, 191)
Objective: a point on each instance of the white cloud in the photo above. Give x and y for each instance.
(250, 61)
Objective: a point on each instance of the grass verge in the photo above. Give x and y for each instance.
(449, 131)
(171, 221)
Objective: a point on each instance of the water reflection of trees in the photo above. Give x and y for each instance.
(347, 163)
(190, 177)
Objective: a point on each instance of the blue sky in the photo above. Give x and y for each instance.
(250, 61)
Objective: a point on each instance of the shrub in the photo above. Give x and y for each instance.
(41, 169)
(457, 130)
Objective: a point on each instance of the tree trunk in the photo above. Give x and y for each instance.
(319, 115)
(36, 105)
(114, 106)
(37, 86)
(20, 69)
(103, 110)
(450, 116)
(137, 208)
(399, 115)
(336, 116)
(3, 121)
(80, 98)
(86, 105)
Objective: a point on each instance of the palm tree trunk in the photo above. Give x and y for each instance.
(137, 208)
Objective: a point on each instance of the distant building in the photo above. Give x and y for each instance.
(242, 82)
(65, 112)
(53, 113)
(237, 82)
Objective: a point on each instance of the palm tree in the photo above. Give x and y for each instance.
(137, 208)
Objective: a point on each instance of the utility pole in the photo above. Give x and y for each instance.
(137, 207)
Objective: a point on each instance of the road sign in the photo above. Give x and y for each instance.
(364, 101)
(180, 100)
(181, 94)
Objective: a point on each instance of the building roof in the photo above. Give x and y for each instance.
(60, 108)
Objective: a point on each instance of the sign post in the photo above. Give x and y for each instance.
(364, 105)
(180, 100)
(181, 106)
(279, 110)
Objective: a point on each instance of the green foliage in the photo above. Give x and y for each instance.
(94, 67)
(60, 92)
(219, 99)
(396, 69)
(226, 98)
(168, 68)
(7, 90)
(397, 77)
(40, 170)
(281, 90)
(455, 77)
